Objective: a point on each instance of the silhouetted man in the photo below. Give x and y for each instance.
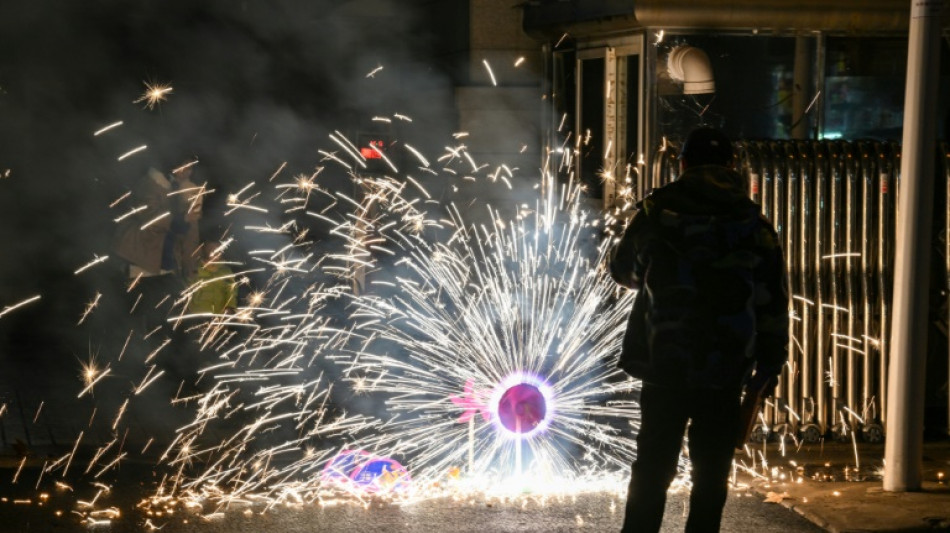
(711, 312)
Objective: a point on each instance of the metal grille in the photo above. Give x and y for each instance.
(834, 206)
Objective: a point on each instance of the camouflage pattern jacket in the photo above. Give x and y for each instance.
(713, 298)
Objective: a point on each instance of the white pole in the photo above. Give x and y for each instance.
(903, 452)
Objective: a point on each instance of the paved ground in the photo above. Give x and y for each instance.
(814, 482)
(817, 483)
(23, 509)
(811, 488)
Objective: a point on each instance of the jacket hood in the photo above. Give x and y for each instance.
(706, 212)
(703, 190)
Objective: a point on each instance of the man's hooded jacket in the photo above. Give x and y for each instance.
(713, 298)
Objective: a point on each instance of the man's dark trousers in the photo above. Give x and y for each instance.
(713, 421)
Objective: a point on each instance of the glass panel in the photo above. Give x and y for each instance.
(864, 88)
(630, 92)
(564, 99)
(591, 126)
(753, 97)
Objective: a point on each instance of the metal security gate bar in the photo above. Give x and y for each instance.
(832, 204)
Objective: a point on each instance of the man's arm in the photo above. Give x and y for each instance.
(771, 307)
(624, 264)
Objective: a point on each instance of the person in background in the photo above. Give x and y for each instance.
(159, 241)
(189, 207)
(215, 289)
(710, 316)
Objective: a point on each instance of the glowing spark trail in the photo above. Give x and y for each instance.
(131, 212)
(155, 93)
(446, 318)
(119, 200)
(491, 75)
(92, 376)
(90, 307)
(478, 308)
(107, 128)
(392, 336)
(10, 308)
(131, 152)
(96, 261)
(185, 166)
(156, 219)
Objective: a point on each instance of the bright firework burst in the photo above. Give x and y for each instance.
(492, 344)
(155, 94)
(489, 343)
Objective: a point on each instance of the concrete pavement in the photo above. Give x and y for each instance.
(838, 487)
(829, 485)
(51, 509)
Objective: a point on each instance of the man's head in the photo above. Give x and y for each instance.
(706, 146)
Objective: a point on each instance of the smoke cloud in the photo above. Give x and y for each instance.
(252, 85)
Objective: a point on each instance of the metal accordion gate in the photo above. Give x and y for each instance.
(834, 206)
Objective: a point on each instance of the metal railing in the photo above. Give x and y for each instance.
(834, 206)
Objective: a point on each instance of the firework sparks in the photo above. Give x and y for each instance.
(131, 212)
(491, 75)
(11, 308)
(132, 152)
(90, 307)
(512, 302)
(454, 324)
(185, 166)
(155, 94)
(19, 469)
(98, 259)
(90, 376)
(104, 129)
(450, 318)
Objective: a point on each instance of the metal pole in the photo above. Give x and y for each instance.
(801, 87)
(821, 50)
(871, 431)
(903, 453)
(780, 221)
(793, 251)
(945, 159)
(837, 224)
(821, 285)
(852, 179)
(886, 230)
(806, 233)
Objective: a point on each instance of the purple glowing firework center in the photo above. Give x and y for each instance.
(521, 408)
